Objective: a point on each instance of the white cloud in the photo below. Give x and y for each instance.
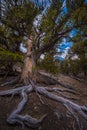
(37, 20)
(65, 53)
(42, 56)
(22, 48)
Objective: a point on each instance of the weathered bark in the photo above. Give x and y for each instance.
(29, 63)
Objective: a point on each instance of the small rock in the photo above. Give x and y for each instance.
(35, 107)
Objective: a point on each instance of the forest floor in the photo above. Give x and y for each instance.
(36, 109)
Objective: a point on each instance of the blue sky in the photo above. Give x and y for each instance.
(64, 45)
(63, 50)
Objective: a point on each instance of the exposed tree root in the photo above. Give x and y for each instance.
(14, 81)
(42, 77)
(76, 78)
(72, 107)
(61, 90)
(51, 80)
(75, 110)
(16, 90)
(24, 120)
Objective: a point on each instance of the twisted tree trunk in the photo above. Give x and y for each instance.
(29, 63)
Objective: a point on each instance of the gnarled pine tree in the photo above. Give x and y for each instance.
(56, 23)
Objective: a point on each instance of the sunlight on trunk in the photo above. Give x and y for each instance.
(29, 63)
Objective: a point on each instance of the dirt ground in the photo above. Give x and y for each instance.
(56, 113)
